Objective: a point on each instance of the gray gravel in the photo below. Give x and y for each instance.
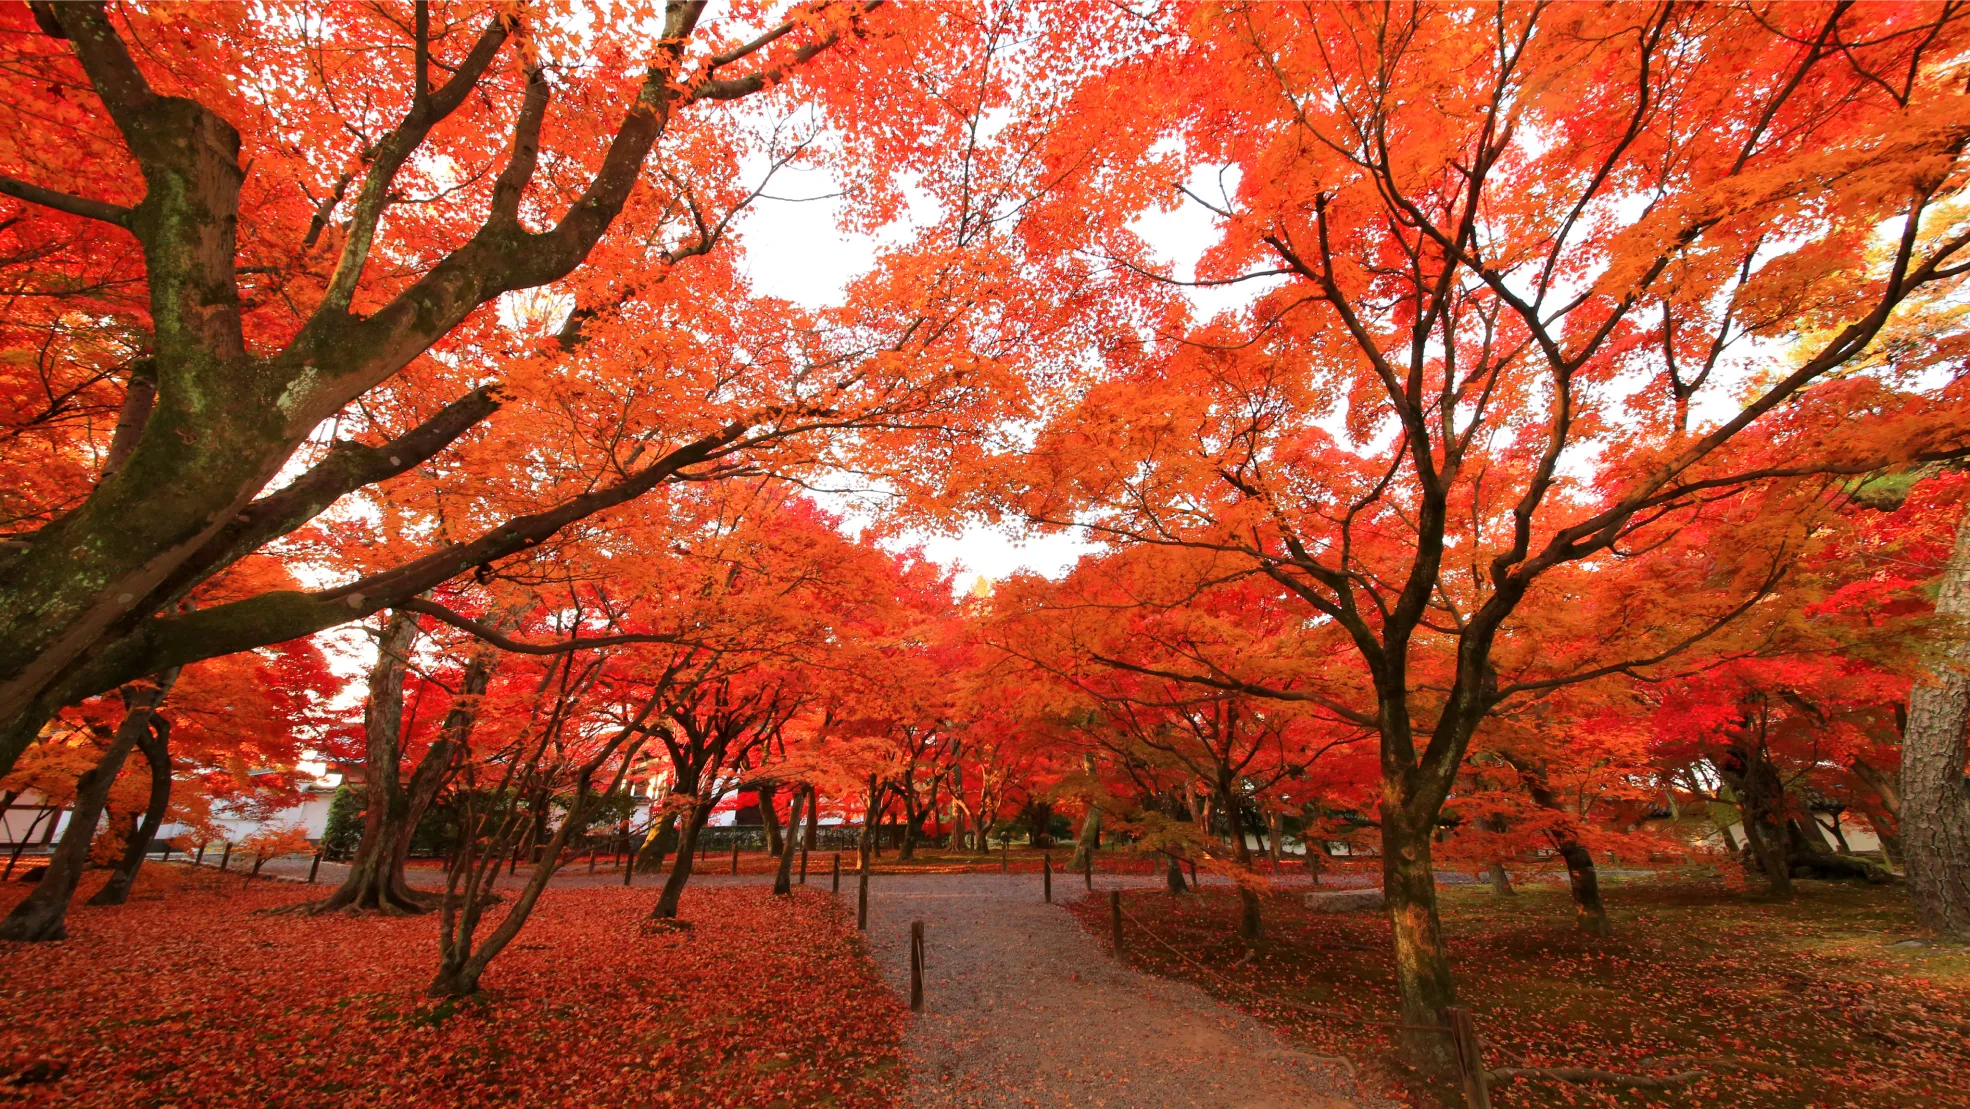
(1023, 1008)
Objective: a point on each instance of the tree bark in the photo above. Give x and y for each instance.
(1424, 985)
(680, 868)
(813, 819)
(783, 878)
(1250, 925)
(1039, 818)
(650, 855)
(1761, 806)
(1501, 879)
(1935, 799)
(1173, 874)
(1886, 821)
(375, 882)
(1589, 913)
(155, 744)
(769, 817)
(43, 915)
(1090, 824)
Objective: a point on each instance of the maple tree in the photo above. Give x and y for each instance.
(1534, 289)
(324, 284)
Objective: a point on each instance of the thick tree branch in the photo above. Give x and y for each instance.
(62, 202)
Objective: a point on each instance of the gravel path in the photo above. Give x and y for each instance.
(1023, 1008)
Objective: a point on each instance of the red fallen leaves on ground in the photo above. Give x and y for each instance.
(1831, 999)
(190, 996)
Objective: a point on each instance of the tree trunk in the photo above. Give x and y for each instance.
(44, 913)
(783, 878)
(1173, 874)
(649, 856)
(871, 814)
(155, 743)
(1935, 800)
(1250, 926)
(375, 882)
(1760, 797)
(1501, 879)
(1086, 842)
(769, 817)
(1589, 914)
(1039, 816)
(1423, 981)
(813, 818)
(912, 817)
(1887, 820)
(1839, 835)
(680, 869)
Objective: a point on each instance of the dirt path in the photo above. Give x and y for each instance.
(1023, 1008)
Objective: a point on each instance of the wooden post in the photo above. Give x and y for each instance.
(1115, 918)
(628, 870)
(735, 850)
(1193, 874)
(1088, 868)
(1046, 875)
(1470, 1063)
(513, 865)
(313, 867)
(803, 862)
(916, 966)
(227, 857)
(1002, 856)
(837, 883)
(200, 860)
(591, 860)
(167, 853)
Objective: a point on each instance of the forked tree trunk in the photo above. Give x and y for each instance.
(43, 915)
(155, 745)
(1761, 806)
(1935, 799)
(783, 878)
(680, 867)
(375, 882)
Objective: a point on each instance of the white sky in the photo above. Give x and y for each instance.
(796, 250)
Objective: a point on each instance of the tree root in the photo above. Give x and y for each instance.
(1584, 1075)
(1838, 866)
